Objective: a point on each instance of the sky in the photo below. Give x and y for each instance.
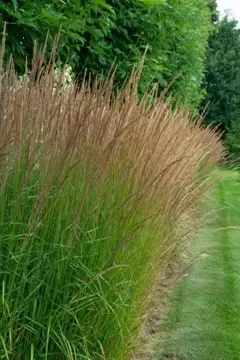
(233, 5)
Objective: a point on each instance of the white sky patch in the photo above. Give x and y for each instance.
(233, 5)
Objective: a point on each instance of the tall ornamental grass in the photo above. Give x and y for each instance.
(93, 186)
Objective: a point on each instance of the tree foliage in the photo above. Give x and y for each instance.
(233, 141)
(29, 21)
(222, 81)
(95, 33)
(213, 11)
(176, 34)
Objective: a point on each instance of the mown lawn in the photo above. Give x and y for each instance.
(204, 316)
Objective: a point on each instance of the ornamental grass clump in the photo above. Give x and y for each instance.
(93, 186)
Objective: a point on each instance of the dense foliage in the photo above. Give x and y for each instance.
(222, 81)
(97, 32)
(223, 74)
(175, 33)
(213, 11)
(29, 21)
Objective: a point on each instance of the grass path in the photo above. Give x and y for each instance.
(204, 316)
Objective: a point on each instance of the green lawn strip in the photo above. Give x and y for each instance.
(204, 316)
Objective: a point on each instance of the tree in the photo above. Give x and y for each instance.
(233, 141)
(222, 81)
(213, 11)
(29, 21)
(176, 35)
(95, 33)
